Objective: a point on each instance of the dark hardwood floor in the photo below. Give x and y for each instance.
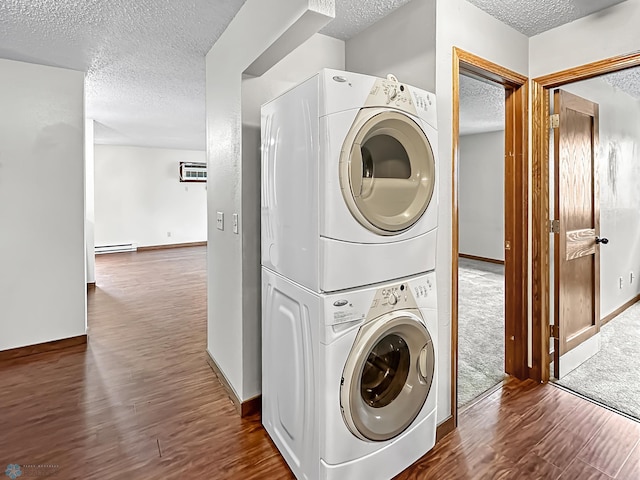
(140, 402)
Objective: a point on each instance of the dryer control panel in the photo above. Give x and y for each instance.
(391, 93)
(423, 101)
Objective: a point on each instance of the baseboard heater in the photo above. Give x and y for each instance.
(123, 247)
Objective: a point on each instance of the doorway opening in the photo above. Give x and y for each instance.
(513, 244)
(481, 288)
(592, 318)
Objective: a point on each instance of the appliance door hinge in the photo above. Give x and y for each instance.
(554, 226)
(554, 120)
(554, 331)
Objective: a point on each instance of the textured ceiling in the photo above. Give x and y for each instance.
(481, 106)
(626, 80)
(144, 58)
(354, 16)
(532, 17)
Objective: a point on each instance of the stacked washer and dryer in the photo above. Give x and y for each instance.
(349, 317)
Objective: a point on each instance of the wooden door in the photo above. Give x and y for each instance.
(576, 225)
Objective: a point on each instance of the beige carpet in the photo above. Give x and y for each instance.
(480, 328)
(612, 376)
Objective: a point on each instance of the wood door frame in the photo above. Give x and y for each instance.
(516, 182)
(540, 91)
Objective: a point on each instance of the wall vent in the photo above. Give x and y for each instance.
(193, 172)
(124, 247)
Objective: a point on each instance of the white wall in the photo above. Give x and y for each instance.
(316, 53)
(89, 195)
(234, 326)
(618, 157)
(42, 251)
(403, 43)
(463, 25)
(604, 34)
(481, 195)
(139, 197)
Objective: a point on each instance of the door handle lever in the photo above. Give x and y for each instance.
(602, 240)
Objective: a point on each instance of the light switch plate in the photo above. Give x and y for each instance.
(235, 223)
(220, 221)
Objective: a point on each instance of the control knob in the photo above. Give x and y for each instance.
(393, 299)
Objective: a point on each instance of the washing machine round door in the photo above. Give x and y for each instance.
(387, 376)
(387, 170)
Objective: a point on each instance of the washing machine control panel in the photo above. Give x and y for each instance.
(392, 297)
(395, 295)
(410, 294)
(423, 289)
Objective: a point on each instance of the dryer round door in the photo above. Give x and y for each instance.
(387, 170)
(387, 377)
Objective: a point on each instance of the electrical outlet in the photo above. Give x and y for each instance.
(621, 282)
(631, 278)
(168, 234)
(235, 223)
(220, 221)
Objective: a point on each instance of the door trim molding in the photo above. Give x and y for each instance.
(540, 88)
(516, 211)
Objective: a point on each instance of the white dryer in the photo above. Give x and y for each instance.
(349, 181)
(349, 379)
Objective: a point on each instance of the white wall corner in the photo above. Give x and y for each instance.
(277, 28)
(42, 198)
(402, 43)
(309, 23)
(89, 200)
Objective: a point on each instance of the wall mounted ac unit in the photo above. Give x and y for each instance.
(193, 172)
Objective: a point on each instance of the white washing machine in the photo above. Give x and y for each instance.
(349, 181)
(349, 379)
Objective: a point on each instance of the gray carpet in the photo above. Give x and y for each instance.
(612, 376)
(480, 328)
